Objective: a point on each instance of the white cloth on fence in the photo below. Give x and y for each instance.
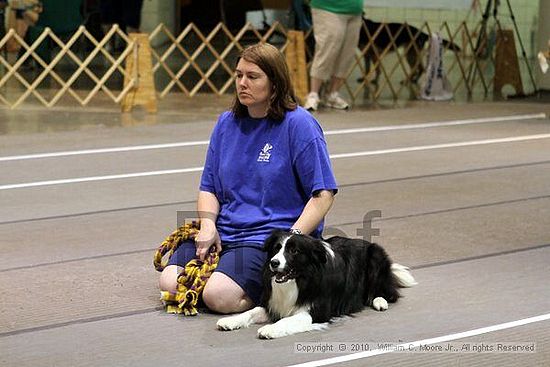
(543, 62)
(434, 85)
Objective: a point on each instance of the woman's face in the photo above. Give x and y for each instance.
(253, 88)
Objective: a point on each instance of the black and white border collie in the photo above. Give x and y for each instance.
(308, 282)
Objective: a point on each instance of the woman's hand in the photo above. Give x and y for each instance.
(207, 208)
(207, 236)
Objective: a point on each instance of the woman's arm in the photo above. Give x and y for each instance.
(314, 211)
(208, 208)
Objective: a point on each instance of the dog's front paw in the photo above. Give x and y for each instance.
(231, 323)
(380, 304)
(272, 331)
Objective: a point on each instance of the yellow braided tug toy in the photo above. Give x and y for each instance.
(194, 276)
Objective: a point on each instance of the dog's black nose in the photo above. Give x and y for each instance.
(274, 263)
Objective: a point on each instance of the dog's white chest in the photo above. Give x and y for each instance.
(283, 298)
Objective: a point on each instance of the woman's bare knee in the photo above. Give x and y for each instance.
(223, 295)
(221, 302)
(168, 280)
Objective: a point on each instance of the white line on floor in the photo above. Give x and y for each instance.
(104, 150)
(100, 178)
(427, 125)
(327, 133)
(334, 156)
(441, 146)
(416, 344)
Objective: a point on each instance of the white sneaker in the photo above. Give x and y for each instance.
(335, 101)
(312, 102)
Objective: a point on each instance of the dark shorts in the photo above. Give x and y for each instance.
(242, 262)
(126, 14)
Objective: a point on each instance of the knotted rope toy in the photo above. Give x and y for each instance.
(194, 276)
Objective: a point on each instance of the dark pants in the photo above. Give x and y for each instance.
(124, 13)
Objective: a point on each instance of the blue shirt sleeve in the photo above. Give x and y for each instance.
(312, 161)
(207, 182)
(313, 168)
(207, 178)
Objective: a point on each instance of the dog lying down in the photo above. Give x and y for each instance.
(386, 37)
(308, 282)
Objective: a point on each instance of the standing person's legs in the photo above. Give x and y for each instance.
(132, 15)
(329, 32)
(343, 62)
(109, 15)
(345, 57)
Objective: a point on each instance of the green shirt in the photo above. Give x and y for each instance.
(339, 6)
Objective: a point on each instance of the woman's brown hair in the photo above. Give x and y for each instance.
(273, 64)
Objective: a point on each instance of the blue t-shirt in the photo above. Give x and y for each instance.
(264, 172)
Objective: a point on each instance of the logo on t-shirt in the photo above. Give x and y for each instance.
(265, 153)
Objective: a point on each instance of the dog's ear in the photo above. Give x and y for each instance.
(319, 252)
(272, 240)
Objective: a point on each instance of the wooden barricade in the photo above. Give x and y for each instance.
(506, 63)
(194, 62)
(139, 65)
(296, 59)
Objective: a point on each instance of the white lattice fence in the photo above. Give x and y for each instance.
(196, 56)
(12, 79)
(195, 62)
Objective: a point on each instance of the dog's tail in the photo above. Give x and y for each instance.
(403, 275)
(451, 46)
